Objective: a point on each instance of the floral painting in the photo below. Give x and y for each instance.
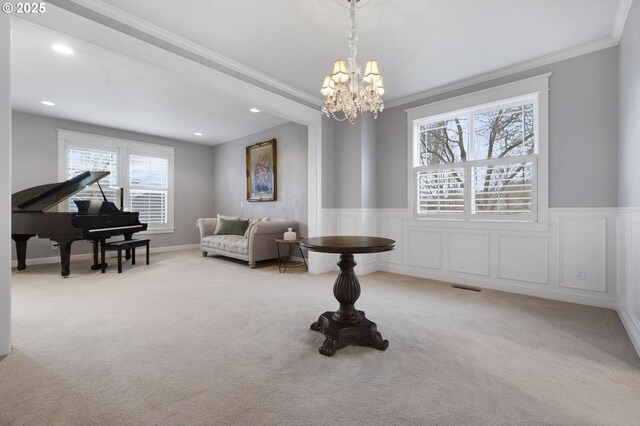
(261, 171)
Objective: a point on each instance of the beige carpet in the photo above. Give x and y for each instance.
(191, 341)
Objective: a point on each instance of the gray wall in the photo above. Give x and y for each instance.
(328, 161)
(229, 181)
(583, 133)
(353, 157)
(629, 171)
(369, 196)
(391, 179)
(348, 165)
(35, 160)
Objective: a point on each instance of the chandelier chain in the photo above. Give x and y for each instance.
(353, 36)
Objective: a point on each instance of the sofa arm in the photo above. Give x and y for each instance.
(206, 226)
(261, 238)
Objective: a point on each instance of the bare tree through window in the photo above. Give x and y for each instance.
(494, 146)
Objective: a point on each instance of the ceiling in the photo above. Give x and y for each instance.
(420, 44)
(288, 44)
(99, 86)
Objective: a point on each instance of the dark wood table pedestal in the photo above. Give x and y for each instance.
(347, 325)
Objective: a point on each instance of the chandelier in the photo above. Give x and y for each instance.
(347, 89)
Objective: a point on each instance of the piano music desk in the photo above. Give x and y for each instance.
(120, 246)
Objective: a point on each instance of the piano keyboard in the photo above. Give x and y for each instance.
(118, 228)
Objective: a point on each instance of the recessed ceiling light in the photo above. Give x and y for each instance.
(198, 134)
(254, 110)
(47, 103)
(61, 48)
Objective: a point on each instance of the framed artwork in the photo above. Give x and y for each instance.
(262, 171)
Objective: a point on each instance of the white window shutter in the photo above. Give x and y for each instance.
(504, 188)
(440, 191)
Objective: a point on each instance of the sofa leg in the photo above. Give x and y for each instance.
(252, 265)
(204, 253)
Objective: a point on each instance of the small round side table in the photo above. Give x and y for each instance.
(292, 245)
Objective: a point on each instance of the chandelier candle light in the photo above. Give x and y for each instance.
(347, 90)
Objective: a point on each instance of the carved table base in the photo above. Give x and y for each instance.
(347, 325)
(338, 335)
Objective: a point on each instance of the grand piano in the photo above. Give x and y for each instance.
(95, 221)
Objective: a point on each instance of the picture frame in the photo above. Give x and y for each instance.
(262, 171)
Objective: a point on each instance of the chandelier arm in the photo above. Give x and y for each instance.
(335, 117)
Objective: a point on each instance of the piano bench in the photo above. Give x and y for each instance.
(120, 246)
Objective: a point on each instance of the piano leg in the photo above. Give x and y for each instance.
(96, 246)
(65, 256)
(21, 249)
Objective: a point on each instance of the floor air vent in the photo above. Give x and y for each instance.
(463, 287)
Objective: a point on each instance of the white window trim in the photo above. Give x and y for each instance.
(534, 86)
(124, 147)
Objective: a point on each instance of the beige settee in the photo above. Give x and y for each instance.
(259, 244)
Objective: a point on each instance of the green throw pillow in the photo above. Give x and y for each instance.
(232, 227)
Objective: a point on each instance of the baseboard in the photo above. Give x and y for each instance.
(174, 248)
(53, 259)
(633, 329)
(56, 259)
(366, 269)
(544, 291)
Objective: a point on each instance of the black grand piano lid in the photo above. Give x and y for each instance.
(42, 197)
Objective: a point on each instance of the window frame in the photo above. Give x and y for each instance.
(534, 89)
(124, 149)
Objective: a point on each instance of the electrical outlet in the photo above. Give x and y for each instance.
(54, 246)
(580, 275)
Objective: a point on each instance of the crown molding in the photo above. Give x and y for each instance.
(119, 15)
(508, 70)
(621, 18)
(99, 6)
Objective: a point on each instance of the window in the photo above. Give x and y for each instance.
(482, 161)
(143, 171)
(83, 159)
(149, 188)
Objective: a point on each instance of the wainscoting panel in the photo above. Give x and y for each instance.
(424, 249)
(633, 258)
(391, 225)
(629, 272)
(582, 253)
(327, 261)
(328, 222)
(532, 259)
(347, 224)
(468, 252)
(523, 258)
(368, 227)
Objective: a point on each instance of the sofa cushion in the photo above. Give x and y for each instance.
(232, 227)
(224, 217)
(231, 243)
